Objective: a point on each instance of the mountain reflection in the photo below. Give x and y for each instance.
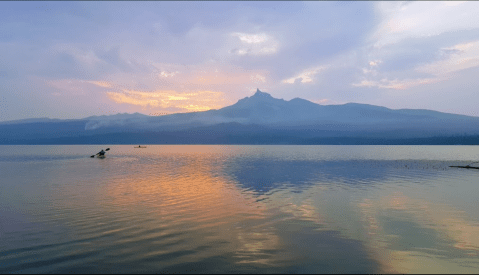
(218, 218)
(263, 175)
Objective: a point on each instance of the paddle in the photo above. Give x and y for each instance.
(92, 156)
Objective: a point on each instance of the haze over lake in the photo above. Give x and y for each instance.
(212, 209)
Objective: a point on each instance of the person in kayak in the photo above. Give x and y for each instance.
(101, 153)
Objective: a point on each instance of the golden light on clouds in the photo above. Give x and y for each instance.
(195, 101)
(321, 101)
(195, 108)
(170, 88)
(172, 97)
(135, 99)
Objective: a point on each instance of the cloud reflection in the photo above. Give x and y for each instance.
(187, 191)
(416, 235)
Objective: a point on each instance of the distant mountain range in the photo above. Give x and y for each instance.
(259, 119)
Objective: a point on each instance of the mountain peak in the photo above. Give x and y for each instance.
(261, 94)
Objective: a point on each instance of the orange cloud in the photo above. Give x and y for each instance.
(197, 101)
(320, 101)
(172, 88)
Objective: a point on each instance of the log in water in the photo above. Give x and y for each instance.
(467, 167)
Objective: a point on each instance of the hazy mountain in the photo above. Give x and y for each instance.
(30, 120)
(256, 119)
(261, 108)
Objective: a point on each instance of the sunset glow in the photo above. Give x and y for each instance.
(198, 101)
(289, 50)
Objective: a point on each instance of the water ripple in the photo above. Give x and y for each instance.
(242, 209)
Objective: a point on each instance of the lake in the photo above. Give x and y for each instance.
(239, 209)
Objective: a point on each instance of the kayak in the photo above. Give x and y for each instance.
(140, 147)
(100, 154)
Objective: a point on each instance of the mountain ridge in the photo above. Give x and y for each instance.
(258, 98)
(249, 119)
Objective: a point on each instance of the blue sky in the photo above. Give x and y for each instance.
(77, 59)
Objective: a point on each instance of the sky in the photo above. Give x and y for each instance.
(78, 59)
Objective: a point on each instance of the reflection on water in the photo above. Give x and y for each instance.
(242, 209)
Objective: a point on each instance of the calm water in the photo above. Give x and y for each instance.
(239, 209)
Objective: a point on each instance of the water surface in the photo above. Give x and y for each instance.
(239, 209)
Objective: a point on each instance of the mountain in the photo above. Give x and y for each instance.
(259, 119)
(29, 120)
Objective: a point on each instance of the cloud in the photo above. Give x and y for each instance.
(69, 86)
(321, 101)
(251, 38)
(453, 3)
(402, 20)
(374, 76)
(306, 76)
(255, 44)
(258, 78)
(452, 59)
(443, 220)
(102, 84)
(396, 84)
(460, 57)
(232, 47)
(168, 74)
(192, 88)
(186, 102)
(85, 56)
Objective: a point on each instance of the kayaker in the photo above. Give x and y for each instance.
(101, 153)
